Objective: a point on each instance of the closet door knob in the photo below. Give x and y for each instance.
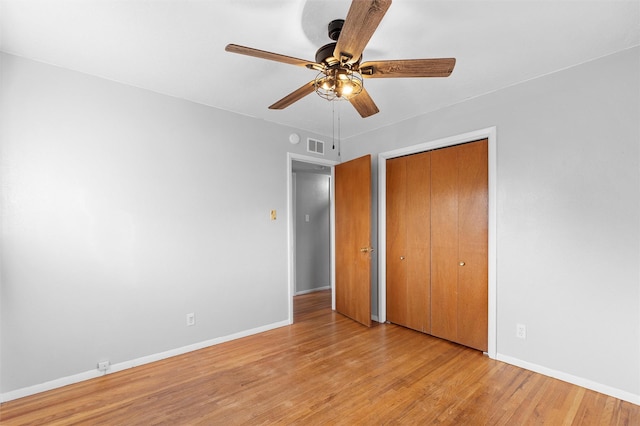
(461, 263)
(401, 257)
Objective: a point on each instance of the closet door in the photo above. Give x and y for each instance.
(459, 233)
(473, 231)
(397, 295)
(408, 241)
(418, 212)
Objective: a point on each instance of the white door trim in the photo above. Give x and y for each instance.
(290, 224)
(488, 133)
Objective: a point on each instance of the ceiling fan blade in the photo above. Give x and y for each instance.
(361, 22)
(363, 103)
(263, 54)
(408, 68)
(295, 96)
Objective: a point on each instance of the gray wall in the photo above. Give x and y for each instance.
(123, 210)
(313, 250)
(568, 198)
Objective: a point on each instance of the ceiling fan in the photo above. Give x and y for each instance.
(340, 71)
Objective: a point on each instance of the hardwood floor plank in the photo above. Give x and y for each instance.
(324, 369)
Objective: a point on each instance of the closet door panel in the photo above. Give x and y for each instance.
(397, 296)
(418, 220)
(437, 243)
(444, 243)
(473, 243)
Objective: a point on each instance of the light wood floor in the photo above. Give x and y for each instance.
(325, 369)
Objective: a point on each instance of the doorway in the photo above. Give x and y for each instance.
(310, 227)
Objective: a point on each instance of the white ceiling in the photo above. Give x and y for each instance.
(176, 47)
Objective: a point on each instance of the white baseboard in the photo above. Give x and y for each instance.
(313, 290)
(565, 377)
(87, 375)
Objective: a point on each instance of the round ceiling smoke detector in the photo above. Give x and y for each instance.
(294, 138)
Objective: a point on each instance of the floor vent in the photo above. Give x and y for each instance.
(314, 145)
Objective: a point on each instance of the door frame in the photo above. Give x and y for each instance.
(291, 157)
(487, 133)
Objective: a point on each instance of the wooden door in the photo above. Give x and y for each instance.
(408, 241)
(444, 244)
(459, 239)
(353, 239)
(419, 241)
(396, 238)
(473, 231)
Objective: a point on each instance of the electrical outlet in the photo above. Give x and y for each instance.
(521, 331)
(191, 319)
(103, 365)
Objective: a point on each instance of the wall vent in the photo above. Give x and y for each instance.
(314, 145)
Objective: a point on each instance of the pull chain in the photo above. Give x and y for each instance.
(339, 131)
(333, 123)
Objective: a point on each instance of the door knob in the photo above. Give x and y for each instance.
(461, 263)
(366, 249)
(401, 257)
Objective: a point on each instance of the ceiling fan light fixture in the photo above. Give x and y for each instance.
(346, 89)
(328, 84)
(338, 83)
(339, 63)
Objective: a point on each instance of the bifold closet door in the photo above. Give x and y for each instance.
(397, 295)
(408, 241)
(459, 234)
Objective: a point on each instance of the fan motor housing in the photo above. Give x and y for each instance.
(335, 27)
(324, 55)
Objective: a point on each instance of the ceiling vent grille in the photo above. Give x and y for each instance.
(314, 145)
